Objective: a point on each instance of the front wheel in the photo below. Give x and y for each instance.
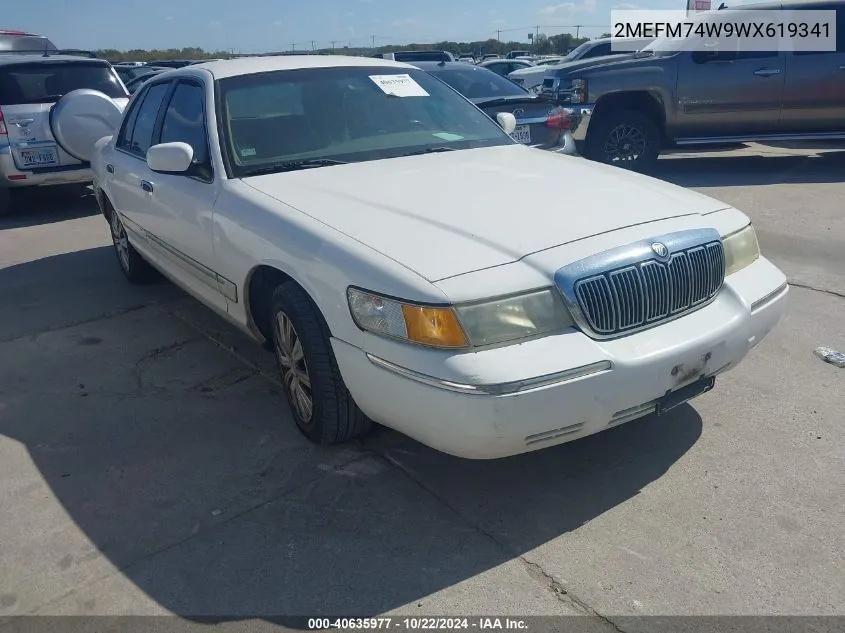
(322, 407)
(627, 139)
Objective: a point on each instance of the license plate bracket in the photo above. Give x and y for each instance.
(685, 394)
(522, 134)
(39, 157)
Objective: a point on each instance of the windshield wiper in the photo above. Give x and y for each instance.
(293, 165)
(501, 100)
(430, 150)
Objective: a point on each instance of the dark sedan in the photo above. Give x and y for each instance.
(539, 122)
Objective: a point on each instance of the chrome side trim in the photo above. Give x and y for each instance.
(632, 254)
(212, 279)
(770, 298)
(706, 140)
(493, 389)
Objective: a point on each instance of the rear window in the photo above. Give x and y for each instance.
(47, 82)
(478, 83)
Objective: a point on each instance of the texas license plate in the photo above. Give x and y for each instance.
(685, 394)
(522, 134)
(41, 157)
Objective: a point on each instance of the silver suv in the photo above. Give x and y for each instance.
(36, 148)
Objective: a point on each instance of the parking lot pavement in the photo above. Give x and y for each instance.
(149, 465)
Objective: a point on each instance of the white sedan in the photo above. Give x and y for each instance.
(412, 265)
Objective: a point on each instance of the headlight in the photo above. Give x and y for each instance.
(575, 91)
(426, 325)
(512, 318)
(741, 249)
(472, 324)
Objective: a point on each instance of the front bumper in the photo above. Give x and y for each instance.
(519, 398)
(12, 177)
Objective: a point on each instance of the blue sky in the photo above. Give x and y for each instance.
(262, 25)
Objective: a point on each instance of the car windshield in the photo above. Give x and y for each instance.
(47, 82)
(479, 83)
(346, 114)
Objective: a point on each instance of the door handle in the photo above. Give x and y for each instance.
(22, 122)
(110, 169)
(767, 72)
(147, 186)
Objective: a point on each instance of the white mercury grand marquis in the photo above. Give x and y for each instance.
(412, 265)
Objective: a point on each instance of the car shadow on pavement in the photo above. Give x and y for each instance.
(765, 169)
(183, 470)
(45, 205)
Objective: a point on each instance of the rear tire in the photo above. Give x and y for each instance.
(322, 406)
(134, 267)
(625, 138)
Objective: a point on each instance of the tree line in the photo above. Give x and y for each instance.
(542, 45)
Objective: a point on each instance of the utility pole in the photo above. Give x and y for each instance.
(333, 43)
(499, 36)
(536, 37)
(313, 45)
(374, 41)
(577, 31)
(293, 46)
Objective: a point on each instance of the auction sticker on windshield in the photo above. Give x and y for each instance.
(399, 85)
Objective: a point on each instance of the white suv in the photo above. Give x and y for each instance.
(34, 150)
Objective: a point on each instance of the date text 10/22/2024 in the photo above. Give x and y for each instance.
(418, 624)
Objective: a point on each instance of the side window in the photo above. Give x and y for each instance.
(599, 51)
(142, 134)
(184, 120)
(124, 139)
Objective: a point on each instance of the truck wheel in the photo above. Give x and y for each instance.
(624, 138)
(322, 407)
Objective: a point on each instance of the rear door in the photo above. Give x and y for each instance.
(28, 91)
(129, 173)
(814, 91)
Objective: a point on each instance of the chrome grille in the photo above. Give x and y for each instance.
(632, 288)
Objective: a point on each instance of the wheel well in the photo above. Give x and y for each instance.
(644, 102)
(261, 283)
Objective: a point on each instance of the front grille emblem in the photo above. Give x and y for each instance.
(518, 112)
(660, 250)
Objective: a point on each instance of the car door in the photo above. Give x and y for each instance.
(728, 93)
(127, 169)
(180, 219)
(814, 90)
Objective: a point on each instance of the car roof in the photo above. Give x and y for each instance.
(253, 65)
(447, 66)
(35, 58)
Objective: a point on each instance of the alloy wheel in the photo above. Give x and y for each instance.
(294, 369)
(625, 143)
(121, 242)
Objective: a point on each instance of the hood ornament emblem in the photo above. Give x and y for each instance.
(660, 250)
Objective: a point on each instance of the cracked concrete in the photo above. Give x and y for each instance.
(148, 464)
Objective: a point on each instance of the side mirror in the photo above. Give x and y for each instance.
(170, 158)
(507, 121)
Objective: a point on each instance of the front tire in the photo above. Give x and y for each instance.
(134, 267)
(322, 406)
(624, 138)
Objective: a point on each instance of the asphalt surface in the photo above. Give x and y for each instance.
(149, 465)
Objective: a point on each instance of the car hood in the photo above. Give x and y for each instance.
(450, 213)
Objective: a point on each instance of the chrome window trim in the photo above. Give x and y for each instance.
(628, 255)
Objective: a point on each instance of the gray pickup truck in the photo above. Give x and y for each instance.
(633, 106)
